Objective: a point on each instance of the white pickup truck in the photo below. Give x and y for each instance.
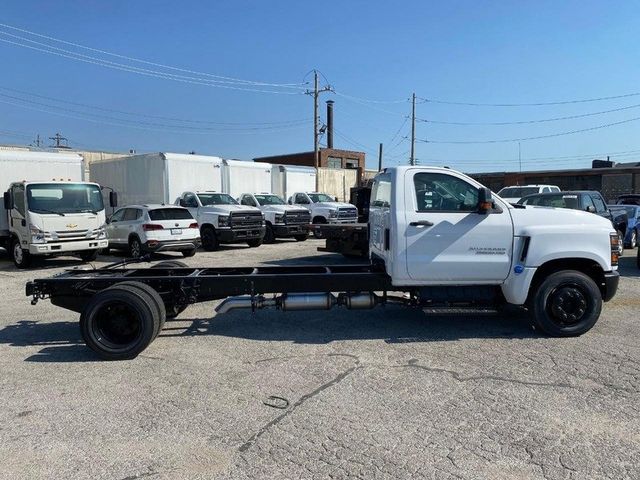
(281, 220)
(325, 209)
(222, 220)
(439, 242)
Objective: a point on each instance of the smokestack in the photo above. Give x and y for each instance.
(329, 123)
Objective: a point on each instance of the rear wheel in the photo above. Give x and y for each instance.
(155, 298)
(269, 235)
(172, 310)
(119, 322)
(89, 255)
(566, 304)
(255, 242)
(21, 257)
(189, 253)
(135, 247)
(209, 239)
(301, 238)
(633, 241)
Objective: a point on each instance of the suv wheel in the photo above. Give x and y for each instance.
(135, 248)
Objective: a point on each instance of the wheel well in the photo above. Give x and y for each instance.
(319, 219)
(589, 267)
(207, 225)
(132, 236)
(267, 222)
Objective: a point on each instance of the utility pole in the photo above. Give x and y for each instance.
(37, 140)
(412, 159)
(316, 135)
(380, 158)
(59, 139)
(519, 157)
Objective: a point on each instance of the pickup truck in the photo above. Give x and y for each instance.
(439, 241)
(325, 209)
(222, 220)
(281, 220)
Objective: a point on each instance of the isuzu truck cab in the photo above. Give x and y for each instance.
(53, 218)
(439, 241)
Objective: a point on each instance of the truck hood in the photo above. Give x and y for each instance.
(282, 208)
(532, 217)
(225, 209)
(333, 205)
(70, 222)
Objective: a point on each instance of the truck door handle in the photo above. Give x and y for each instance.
(422, 223)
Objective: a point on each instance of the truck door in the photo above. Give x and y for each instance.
(447, 239)
(190, 201)
(18, 215)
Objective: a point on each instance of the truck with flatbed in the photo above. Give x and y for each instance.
(48, 209)
(439, 241)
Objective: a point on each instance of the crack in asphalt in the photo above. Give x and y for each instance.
(254, 438)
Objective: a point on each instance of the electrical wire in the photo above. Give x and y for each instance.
(537, 104)
(366, 100)
(124, 57)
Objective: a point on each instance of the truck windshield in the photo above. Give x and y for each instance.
(320, 197)
(269, 200)
(64, 198)
(216, 199)
(517, 192)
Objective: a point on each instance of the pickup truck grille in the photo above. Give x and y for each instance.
(299, 217)
(348, 213)
(246, 219)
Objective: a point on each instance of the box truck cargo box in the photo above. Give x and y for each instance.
(286, 179)
(240, 177)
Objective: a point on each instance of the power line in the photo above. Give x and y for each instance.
(367, 100)
(539, 137)
(124, 57)
(522, 122)
(538, 104)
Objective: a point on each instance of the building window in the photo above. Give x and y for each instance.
(334, 162)
(351, 163)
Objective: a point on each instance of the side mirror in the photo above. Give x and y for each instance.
(108, 221)
(8, 200)
(591, 209)
(336, 199)
(113, 199)
(181, 203)
(485, 200)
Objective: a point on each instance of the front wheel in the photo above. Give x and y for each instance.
(88, 255)
(566, 304)
(269, 235)
(301, 238)
(256, 242)
(21, 257)
(189, 253)
(209, 239)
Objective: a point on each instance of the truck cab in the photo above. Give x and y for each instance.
(281, 220)
(325, 209)
(53, 218)
(222, 220)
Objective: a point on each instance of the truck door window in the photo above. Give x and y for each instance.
(588, 202)
(117, 217)
(599, 203)
(190, 201)
(381, 191)
(18, 199)
(444, 193)
(302, 199)
(247, 200)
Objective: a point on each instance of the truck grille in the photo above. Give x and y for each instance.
(299, 217)
(348, 213)
(71, 236)
(246, 219)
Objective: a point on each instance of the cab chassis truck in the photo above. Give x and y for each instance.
(439, 241)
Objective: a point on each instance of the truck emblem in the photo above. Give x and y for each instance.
(71, 225)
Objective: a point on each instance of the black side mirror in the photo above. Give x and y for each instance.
(591, 209)
(113, 199)
(108, 221)
(336, 199)
(8, 200)
(485, 200)
(181, 202)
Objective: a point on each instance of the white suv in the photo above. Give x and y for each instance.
(143, 229)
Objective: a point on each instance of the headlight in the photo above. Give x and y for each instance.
(223, 221)
(37, 235)
(333, 213)
(279, 218)
(102, 231)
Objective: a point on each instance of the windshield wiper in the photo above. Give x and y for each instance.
(44, 210)
(88, 210)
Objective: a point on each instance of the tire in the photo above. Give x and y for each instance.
(189, 253)
(21, 257)
(89, 255)
(119, 322)
(155, 298)
(269, 235)
(301, 238)
(566, 304)
(256, 242)
(209, 239)
(621, 243)
(105, 251)
(633, 241)
(172, 311)
(135, 247)
(318, 221)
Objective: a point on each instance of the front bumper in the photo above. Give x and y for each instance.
(239, 235)
(341, 221)
(172, 245)
(611, 280)
(67, 247)
(290, 230)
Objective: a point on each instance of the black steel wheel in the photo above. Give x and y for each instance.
(118, 323)
(256, 242)
(566, 304)
(269, 235)
(155, 298)
(209, 238)
(189, 253)
(172, 310)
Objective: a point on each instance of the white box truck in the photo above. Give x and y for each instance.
(49, 210)
(287, 179)
(239, 176)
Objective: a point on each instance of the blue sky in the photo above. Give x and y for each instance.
(462, 51)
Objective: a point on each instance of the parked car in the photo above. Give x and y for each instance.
(633, 217)
(585, 200)
(324, 209)
(141, 229)
(515, 193)
(628, 199)
(281, 220)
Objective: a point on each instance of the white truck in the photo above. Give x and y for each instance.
(439, 242)
(49, 210)
(286, 179)
(325, 209)
(281, 220)
(515, 193)
(222, 220)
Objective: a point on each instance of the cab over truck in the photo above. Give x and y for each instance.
(438, 242)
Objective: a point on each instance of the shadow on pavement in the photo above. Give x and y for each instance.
(628, 266)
